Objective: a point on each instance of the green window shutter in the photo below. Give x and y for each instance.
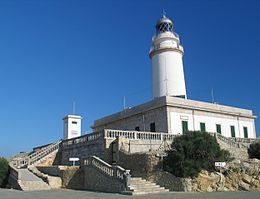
(218, 126)
(202, 127)
(245, 132)
(185, 126)
(233, 133)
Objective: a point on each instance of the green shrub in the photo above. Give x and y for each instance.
(192, 152)
(4, 169)
(254, 150)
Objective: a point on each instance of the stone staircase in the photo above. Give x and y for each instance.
(54, 182)
(35, 156)
(117, 176)
(237, 148)
(139, 186)
(27, 181)
(21, 177)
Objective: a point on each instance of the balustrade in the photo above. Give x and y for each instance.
(230, 141)
(82, 139)
(35, 156)
(112, 171)
(137, 135)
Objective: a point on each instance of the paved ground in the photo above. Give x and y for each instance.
(70, 194)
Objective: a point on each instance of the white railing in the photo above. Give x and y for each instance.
(82, 139)
(228, 141)
(38, 155)
(112, 171)
(35, 156)
(245, 140)
(138, 135)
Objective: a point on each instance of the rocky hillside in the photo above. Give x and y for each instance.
(238, 175)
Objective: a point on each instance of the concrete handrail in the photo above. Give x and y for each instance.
(245, 140)
(112, 171)
(82, 139)
(228, 141)
(38, 155)
(138, 135)
(35, 156)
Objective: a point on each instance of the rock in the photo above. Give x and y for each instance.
(244, 186)
(238, 175)
(246, 178)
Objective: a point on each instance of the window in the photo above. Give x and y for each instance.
(218, 127)
(245, 132)
(185, 126)
(233, 133)
(73, 122)
(152, 127)
(202, 127)
(137, 128)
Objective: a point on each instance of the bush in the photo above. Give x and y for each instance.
(192, 152)
(254, 150)
(4, 169)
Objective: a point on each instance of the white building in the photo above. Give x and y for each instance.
(72, 126)
(170, 111)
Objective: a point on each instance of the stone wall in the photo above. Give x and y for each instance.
(149, 166)
(141, 145)
(167, 180)
(96, 181)
(51, 170)
(103, 148)
(72, 177)
(140, 164)
(88, 178)
(99, 147)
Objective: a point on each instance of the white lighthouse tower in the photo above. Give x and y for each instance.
(166, 54)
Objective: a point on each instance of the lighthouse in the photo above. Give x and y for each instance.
(167, 65)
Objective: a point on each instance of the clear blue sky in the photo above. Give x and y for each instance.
(95, 52)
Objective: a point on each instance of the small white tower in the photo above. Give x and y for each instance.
(72, 126)
(166, 54)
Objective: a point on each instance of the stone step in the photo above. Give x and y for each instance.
(144, 192)
(148, 189)
(154, 186)
(133, 179)
(148, 192)
(142, 183)
(139, 186)
(33, 185)
(30, 182)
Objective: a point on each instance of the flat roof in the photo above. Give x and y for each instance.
(178, 103)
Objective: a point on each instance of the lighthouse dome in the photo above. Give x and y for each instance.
(164, 25)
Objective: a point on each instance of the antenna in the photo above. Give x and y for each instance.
(124, 103)
(163, 13)
(73, 107)
(212, 95)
